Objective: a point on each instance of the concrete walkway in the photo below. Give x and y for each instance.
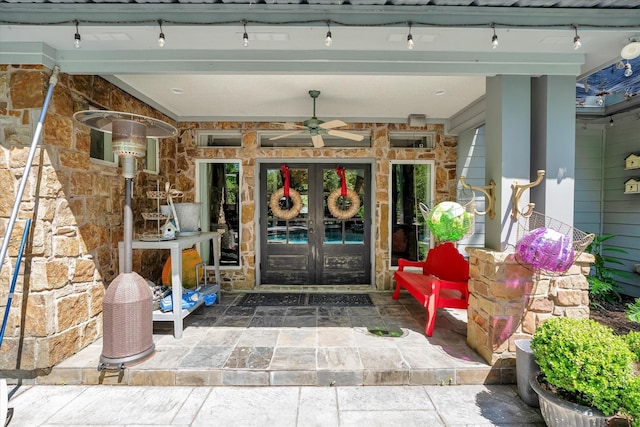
(362, 406)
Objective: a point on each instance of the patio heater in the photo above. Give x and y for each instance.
(128, 302)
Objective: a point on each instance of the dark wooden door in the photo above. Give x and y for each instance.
(315, 247)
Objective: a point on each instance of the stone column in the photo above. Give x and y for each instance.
(509, 301)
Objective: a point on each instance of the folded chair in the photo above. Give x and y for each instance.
(442, 283)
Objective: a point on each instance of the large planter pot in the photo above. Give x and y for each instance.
(557, 412)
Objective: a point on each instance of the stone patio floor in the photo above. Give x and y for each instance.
(231, 345)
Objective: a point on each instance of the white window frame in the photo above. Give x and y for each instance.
(392, 206)
(428, 136)
(203, 135)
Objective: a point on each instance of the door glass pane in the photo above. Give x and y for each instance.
(411, 184)
(294, 230)
(219, 192)
(345, 225)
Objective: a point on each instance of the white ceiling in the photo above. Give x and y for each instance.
(368, 74)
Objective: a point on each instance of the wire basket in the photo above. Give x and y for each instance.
(548, 245)
(451, 221)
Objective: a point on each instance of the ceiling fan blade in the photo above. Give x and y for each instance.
(318, 142)
(290, 125)
(346, 135)
(284, 135)
(332, 124)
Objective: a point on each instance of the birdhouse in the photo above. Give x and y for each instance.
(632, 185)
(169, 230)
(632, 161)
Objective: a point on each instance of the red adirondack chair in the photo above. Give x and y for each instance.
(442, 283)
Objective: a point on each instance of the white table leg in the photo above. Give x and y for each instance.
(176, 290)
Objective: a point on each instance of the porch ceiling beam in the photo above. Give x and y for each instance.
(292, 62)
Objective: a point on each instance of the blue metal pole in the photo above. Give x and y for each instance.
(14, 279)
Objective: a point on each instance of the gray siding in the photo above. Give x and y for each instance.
(621, 212)
(589, 179)
(470, 164)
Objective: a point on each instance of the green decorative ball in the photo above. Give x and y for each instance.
(450, 222)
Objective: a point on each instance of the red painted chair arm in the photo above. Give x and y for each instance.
(402, 263)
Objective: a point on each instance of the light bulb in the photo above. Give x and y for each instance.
(327, 40)
(611, 122)
(245, 40)
(161, 39)
(627, 70)
(77, 40)
(494, 41)
(577, 44)
(410, 43)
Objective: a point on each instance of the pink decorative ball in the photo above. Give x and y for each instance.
(546, 249)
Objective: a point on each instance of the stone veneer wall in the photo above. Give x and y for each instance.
(444, 154)
(76, 206)
(508, 301)
(71, 255)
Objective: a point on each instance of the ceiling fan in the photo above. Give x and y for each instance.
(316, 127)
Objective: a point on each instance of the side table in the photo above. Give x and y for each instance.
(176, 246)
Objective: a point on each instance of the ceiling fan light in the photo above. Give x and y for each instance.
(410, 43)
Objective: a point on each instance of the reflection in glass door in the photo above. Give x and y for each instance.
(315, 247)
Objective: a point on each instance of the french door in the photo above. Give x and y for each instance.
(315, 247)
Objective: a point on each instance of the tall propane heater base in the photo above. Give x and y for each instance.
(128, 301)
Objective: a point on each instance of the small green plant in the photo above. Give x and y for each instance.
(631, 402)
(585, 361)
(602, 284)
(633, 341)
(633, 311)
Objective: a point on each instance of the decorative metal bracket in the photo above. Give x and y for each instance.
(489, 193)
(517, 190)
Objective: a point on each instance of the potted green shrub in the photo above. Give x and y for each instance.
(586, 374)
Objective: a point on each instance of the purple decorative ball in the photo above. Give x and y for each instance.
(546, 249)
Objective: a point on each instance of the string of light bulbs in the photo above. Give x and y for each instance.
(328, 40)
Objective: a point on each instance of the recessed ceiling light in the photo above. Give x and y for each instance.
(177, 90)
(439, 92)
